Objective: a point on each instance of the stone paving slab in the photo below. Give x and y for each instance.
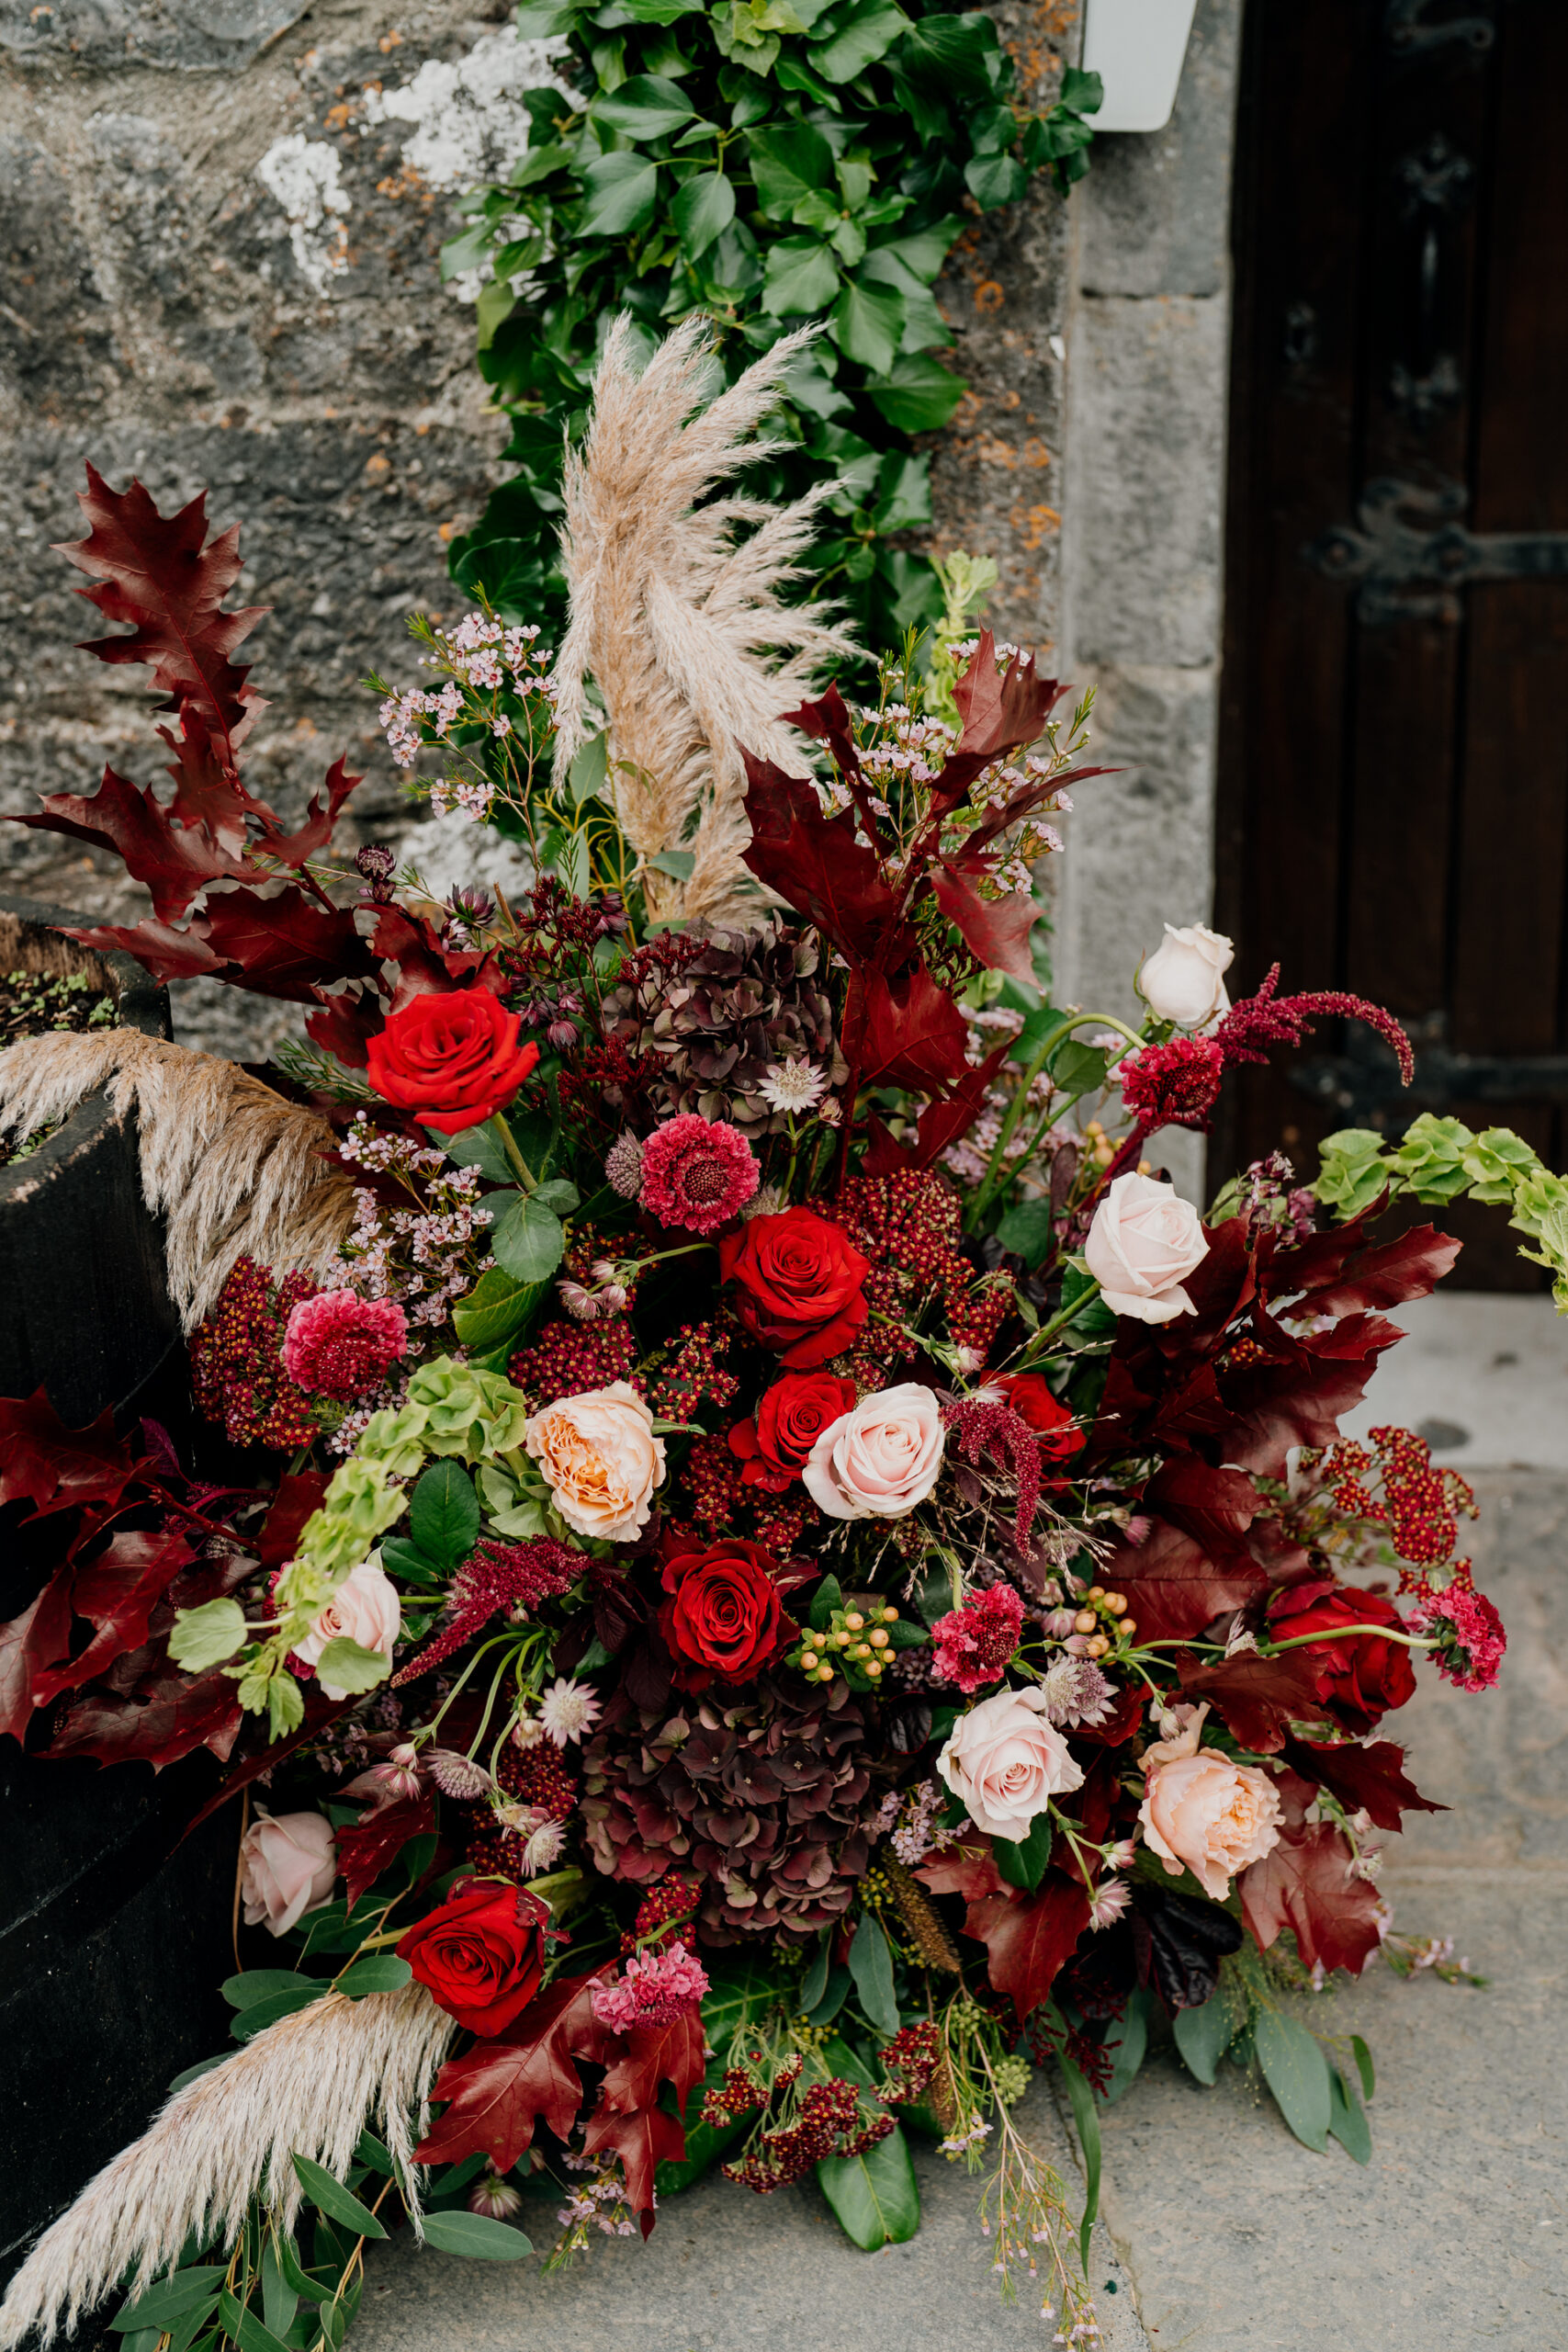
(728, 2271)
(1229, 2236)
(1482, 1378)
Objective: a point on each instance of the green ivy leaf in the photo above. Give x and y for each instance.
(995, 180)
(544, 19)
(647, 107)
(702, 211)
(917, 393)
(860, 37)
(1084, 93)
(787, 164)
(867, 324)
(800, 275)
(622, 190)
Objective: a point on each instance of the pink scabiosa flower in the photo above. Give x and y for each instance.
(657, 1988)
(974, 1643)
(338, 1345)
(697, 1173)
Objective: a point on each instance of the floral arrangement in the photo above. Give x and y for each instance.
(784, 1578)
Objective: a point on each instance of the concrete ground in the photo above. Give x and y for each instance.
(1224, 2234)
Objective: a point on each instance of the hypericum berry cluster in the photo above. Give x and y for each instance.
(798, 2129)
(672, 1901)
(907, 1226)
(694, 1371)
(1400, 1487)
(856, 1641)
(236, 1361)
(537, 1782)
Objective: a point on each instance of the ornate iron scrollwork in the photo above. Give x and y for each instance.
(1405, 536)
(1406, 30)
(1362, 1085)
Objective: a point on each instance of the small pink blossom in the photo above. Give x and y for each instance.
(974, 1643)
(1110, 1900)
(657, 1988)
(1471, 1640)
(697, 1173)
(338, 1345)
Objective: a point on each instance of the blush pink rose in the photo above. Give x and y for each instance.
(881, 1458)
(601, 1459)
(1144, 1241)
(366, 1608)
(1203, 1813)
(1004, 1761)
(287, 1863)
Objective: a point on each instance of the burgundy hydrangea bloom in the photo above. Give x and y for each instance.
(338, 1345)
(697, 1173)
(1174, 1085)
(974, 1643)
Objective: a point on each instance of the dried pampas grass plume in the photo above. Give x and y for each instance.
(679, 621)
(236, 1171)
(308, 2084)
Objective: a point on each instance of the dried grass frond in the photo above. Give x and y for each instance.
(679, 620)
(236, 1171)
(919, 1915)
(308, 2084)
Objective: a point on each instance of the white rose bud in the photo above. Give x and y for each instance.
(1183, 980)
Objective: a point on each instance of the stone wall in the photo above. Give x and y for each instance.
(218, 262)
(1148, 343)
(220, 269)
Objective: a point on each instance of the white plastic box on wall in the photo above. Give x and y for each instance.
(1136, 48)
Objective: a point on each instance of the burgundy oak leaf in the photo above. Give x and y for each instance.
(1029, 1939)
(1306, 1884)
(995, 930)
(497, 2093)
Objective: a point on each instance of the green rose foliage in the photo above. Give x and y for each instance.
(763, 162)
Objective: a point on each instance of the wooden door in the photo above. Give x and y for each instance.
(1394, 798)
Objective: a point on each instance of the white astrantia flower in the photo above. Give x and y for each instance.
(567, 1711)
(792, 1086)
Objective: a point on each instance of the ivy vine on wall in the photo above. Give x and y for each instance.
(764, 160)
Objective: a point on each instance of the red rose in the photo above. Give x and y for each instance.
(481, 1954)
(799, 1280)
(790, 1420)
(1030, 1396)
(723, 1616)
(454, 1060)
(1361, 1676)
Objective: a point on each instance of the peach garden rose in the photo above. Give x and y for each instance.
(601, 1459)
(1204, 1812)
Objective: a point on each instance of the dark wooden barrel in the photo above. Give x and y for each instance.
(113, 1934)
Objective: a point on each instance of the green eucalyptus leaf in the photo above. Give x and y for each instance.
(589, 772)
(871, 1965)
(379, 1972)
(1087, 2119)
(475, 2236)
(159, 2305)
(1348, 2120)
(1297, 2072)
(331, 2198)
(1204, 2034)
(1364, 2067)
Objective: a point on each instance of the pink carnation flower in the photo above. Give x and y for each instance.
(697, 1173)
(337, 1345)
(975, 1643)
(1471, 1640)
(657, 1988)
